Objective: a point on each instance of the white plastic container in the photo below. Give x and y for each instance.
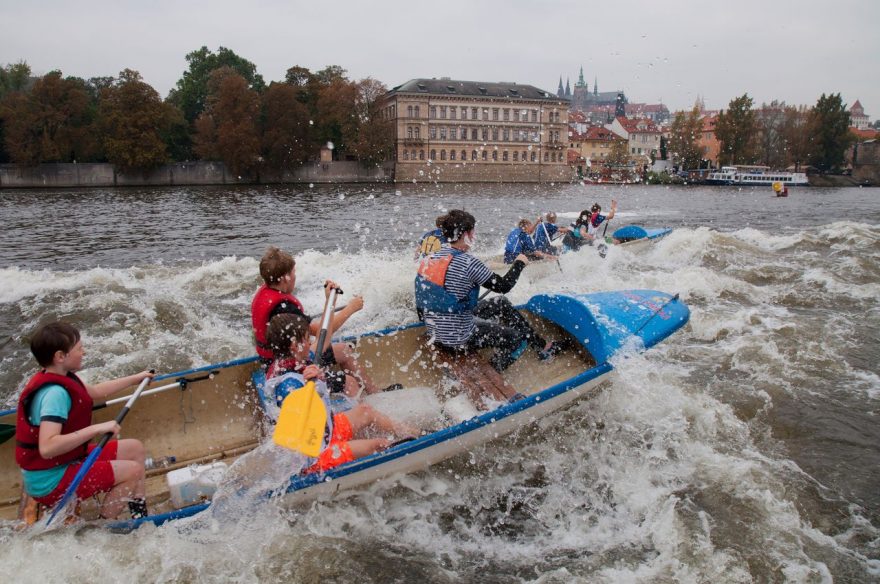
(194, 484)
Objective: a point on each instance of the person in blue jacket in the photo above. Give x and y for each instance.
(519, 241)
(546, 231)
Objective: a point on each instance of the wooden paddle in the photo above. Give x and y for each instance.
(303, 415)
(96, 452)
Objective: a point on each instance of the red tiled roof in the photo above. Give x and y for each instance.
(638, 125)
(866, 134)
(856, 105)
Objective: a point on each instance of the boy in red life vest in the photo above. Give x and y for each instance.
(288, 336)
(54, 427)
(275, 296)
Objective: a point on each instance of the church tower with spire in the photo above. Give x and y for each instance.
(567, 89)
(560, 92)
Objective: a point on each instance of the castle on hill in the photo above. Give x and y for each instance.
(583, 99)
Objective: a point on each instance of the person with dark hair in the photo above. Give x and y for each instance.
(275, 296)
(586, 228)
(446, 291)
(432, 240)
(54, 427)
(289, 337)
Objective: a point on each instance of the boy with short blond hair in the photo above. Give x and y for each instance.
(275, 296)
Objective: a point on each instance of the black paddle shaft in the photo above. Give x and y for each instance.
(322, 336)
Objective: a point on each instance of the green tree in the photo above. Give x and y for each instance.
(228, 128)
(51, 123)
(133, 119)
(829, 122)
(736, 131)
(13, 78)
(684, 139)
(190, 94)
(619, 152)
(374, 141)
(286, 130)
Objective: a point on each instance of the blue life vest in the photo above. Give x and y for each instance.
(431, 292)
(518, 241)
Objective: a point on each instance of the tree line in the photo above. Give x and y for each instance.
(775, 135)
(220, 109)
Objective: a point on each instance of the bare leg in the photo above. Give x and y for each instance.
(367, 446)
(363, 415)
(347, 361)
(128, 472)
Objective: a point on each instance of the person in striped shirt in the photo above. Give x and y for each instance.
(447, 288)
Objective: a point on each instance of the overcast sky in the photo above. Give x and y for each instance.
(673, 50)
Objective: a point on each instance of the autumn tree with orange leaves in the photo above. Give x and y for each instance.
(227, 129)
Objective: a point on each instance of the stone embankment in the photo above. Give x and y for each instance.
(61, 175)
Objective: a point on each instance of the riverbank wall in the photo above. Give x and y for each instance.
(73, 175)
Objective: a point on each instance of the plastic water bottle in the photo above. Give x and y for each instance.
(160, 462)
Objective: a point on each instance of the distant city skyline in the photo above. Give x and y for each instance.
(671, 53)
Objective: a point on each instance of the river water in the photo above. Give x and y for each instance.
(744, 448)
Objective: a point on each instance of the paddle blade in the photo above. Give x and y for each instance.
(302, 421)
(77, 479)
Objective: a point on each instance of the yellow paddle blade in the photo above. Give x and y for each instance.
(302, 421)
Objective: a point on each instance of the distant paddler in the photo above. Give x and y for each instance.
(780, 189)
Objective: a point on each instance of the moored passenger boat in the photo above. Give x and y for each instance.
(755, 176)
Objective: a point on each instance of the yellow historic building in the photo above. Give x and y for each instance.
(474, 131)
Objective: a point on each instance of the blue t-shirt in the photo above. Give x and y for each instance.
(544, 234)
(49, 404)
(517, 242)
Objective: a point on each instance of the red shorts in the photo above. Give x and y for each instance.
(99, 479)
(338, 451)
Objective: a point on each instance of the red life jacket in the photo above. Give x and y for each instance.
(27, 436)
(264, 302)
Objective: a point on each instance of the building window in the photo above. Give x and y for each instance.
(474, 113)
(515, 156)
(495, 113)
(546, 156)
(495, 134)
(524, 156)
(433, 132)
(633, 151)
(433, 155)
(504, 156)
(534, 156)
(464, 133)
(442, 132)
(416, 132)
(485, 156)
(409, 111)
(417, 112)
(495, 155)
(409, 132)
(486, 113)
(433, 112)
(506, 114)
(443, 112)
(443, 155)
(464, 155)
(553, 157)
(412, 155)
(452, 112)
(506, 134)
(452, 155)
(473, 154)
(534, 116)
(463, 113)
(516, 115)
(485, 133)
(421, 154)
(474, 134)
(406, 154)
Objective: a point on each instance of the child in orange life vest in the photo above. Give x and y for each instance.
(275, 296)
(54, 427)
(288, 336)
